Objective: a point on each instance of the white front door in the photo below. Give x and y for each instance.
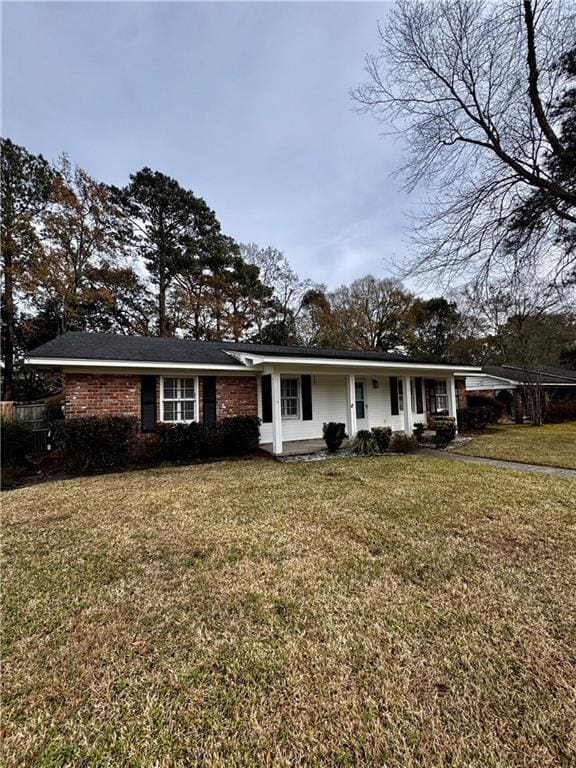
(361, 405)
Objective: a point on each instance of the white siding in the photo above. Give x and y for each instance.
(328, 404)
(478, 383)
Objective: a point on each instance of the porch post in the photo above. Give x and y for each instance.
(351, 398)
(276, 415)
(407, 392)
(452, 405)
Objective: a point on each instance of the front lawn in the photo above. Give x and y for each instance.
(392, 611)
(552, 444)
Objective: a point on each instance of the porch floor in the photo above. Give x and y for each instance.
(297, 447)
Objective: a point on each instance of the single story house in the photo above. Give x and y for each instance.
(507, 382)
(294, 390)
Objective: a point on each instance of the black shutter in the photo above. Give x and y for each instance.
(266, 398)
(148, 402)
(209, 399)
(306, 383)
(394, 396)
(419, 401)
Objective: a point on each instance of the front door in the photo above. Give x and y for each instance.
(361, 405)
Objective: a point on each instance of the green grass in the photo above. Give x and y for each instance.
(553, 445)
(396, 612)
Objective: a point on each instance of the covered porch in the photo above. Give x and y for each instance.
(295, 402)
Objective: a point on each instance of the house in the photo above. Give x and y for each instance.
(294, 390)
(506, 384)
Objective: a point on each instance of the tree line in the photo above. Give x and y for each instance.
(150, 258)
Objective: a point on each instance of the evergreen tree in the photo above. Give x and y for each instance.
(26, 183)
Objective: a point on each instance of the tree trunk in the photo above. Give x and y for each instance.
(8, 311)
(162, 331)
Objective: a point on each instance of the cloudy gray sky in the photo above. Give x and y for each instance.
(245, 103)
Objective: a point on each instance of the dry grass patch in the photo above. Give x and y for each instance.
(394, 612)
(553, 445)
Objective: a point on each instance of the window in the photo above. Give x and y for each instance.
(400, 395)
(179, 399)
(440, 400)
(289, 398)
(360, 400)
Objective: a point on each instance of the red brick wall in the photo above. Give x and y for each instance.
(460, 392)
(99, 394)
(106, 394)
(236, 396)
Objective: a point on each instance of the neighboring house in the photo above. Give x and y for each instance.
(496, 380)
(294, 390)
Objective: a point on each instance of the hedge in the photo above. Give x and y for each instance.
(93, 442)
(233, 436)
(17, 442)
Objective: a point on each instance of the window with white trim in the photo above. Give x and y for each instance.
(441, 397)
(290, 398)
(400, 395)
(179, 399)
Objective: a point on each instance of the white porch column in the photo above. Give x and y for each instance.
(276, 415)
(351, 398)
(452, 404)
(407, 393)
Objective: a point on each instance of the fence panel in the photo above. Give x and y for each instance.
(33, 414)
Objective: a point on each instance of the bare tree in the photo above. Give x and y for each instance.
(528, 324)
(372, 314)
(472, 87)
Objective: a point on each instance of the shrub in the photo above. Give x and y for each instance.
(561, 410)
(183, 442)
(382, 436)
(365, 443)
(234, 436)
(402, 443)
(334, 435)
(419, 428)
(17, 442)
(445, 429)
(239, 435)
(473, 419)
(495, 408)
(95, 442)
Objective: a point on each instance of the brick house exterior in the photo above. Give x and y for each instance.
(294, 391)
(106, 394)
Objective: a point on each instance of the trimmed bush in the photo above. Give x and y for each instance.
(496, 408)
(95, 442)
(403, 443)
(334, 435)
(474, 419)
(382, 436)
(234, 436)
(365, 443)
(183, 442)
(445, 429)
(17, 442)
(239, 435)
(419, 428)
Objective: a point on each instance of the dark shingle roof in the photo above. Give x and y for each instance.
(526, 375)
(106, 346)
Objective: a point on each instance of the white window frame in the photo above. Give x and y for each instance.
(298, 397)
(188, 399)
(443, 395)
(400, 394)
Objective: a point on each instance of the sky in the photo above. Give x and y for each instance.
(245, 103)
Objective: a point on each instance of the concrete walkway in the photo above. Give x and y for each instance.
(518, 465)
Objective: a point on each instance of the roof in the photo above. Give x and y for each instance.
(76, 345)
(524, 375)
